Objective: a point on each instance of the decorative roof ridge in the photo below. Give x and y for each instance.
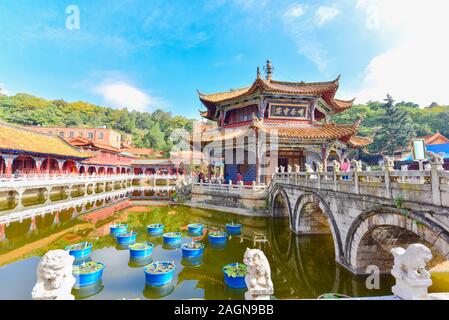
(335, 81)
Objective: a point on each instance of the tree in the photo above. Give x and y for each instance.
(154, 138)
(396, 130)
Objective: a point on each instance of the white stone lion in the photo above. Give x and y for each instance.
(336, 165)
(389, 162)
(357, 165)
(297, 168)
(54, 277)
(410, 263)
(308, 168)
(258, 279)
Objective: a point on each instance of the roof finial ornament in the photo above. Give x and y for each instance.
(258, 73)
(268, 70)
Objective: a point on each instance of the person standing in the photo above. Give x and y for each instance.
(345, 167)
(239, 177)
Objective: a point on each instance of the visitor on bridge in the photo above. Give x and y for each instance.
(239, 177)
(345, 167)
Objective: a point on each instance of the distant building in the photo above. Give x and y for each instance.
(101, 135)
(436, 138)
(105, 160)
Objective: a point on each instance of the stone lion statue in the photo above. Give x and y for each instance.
(308, 168)
(410, 263)
(320, 167)
(54, 277)
(357, 165)
(297, 168)
(289, 168)
(336, 165)
(389, 162)
(258, 279)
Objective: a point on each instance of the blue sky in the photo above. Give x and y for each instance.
(147, 54)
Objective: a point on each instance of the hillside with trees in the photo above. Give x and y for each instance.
(150, 130)
(390, 124)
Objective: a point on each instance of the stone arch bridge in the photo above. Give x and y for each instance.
(367, 213)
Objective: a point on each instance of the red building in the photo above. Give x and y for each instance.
(105, 160)
(24, 151)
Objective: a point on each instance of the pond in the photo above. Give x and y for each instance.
(301, 266)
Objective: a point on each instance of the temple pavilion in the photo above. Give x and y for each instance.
(277, 123)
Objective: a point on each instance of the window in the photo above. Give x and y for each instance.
(101, 135)
(241, 114)
(90, 135)
(71, 134)
(61, 134)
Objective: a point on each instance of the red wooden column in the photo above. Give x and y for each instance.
(323, 157)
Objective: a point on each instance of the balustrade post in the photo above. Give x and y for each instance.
(387, 169)
(356, 182)
(335, 180)
(230, 185)
(318, 175)
(435, 167)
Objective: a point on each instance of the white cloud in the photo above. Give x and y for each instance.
(295, 11)
(415, 66)
(325, 14)
(124, 95)
(3, 89)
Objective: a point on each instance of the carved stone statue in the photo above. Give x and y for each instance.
(357, 165)
(297, 168)
(388, 163)
(54, 277)
(258, 279)
(409, 269)
(277, 169)
(308, 168)
(256, 123)
(320, 167)
(289, 168)
(336, 165)
(282, 169)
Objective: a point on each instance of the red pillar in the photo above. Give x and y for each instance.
(9, 161)
(323, 157)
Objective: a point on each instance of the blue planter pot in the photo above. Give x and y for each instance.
(217, 237)
(234, 228)
(80, 250)
(127, 238)
(155, 229)
(195, 228)
(139, 263)
(140, 250)
(159, 278)
(234, 282)
(90, 278)
(172, 237)
(89, 291)
(190, 252)
(116, 229)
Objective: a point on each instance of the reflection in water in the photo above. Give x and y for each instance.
(301, 266)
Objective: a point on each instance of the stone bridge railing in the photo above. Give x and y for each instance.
(426, 186)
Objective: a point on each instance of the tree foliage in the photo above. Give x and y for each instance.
(150, 130)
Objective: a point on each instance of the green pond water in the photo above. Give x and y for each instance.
(301, 266)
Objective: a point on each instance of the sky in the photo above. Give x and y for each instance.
(149, 54)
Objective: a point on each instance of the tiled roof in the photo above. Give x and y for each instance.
(359, 142)
(80, 141)
(310, 132)
(15, 138)
(291, 132)
(436, 138)
(326, 89)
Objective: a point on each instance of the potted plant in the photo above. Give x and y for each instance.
(234, 275)
(118, 228)
(126, 238)
(192, 249)
(172, 237)
(195, 228)
(87, 273)
(159, 273)
(80, 250)
(141, 250)
(233, 228)
(217, 237)
(155, 229)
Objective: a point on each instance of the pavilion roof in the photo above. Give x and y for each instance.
(326, 90)
(15, 139)
(359, 142)
(436, 138)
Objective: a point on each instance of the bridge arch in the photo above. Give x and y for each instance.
(280, 205)
(303, 223)
(374, 233)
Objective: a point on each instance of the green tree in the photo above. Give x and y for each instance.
(396, 130)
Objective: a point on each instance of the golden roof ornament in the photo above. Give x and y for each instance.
(268, 70)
